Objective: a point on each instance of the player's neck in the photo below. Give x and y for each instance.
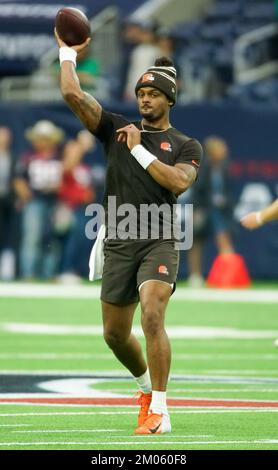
(162, 123)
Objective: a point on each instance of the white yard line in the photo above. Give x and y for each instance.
(210, 410)
(175, 332)
(227, 356)
(14, 426)
(20, 290)
(115, 375)
(108, 356)
(63, 431)
(53, 356)
(238, 371)
(136, 442)
(23, 290)
(68, 413)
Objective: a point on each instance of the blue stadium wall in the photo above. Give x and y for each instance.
(252, 136)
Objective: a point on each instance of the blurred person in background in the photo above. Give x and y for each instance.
(37, 180)
(142, 56)
(88, 69)
(213, 214)
(255, 220)
(130, 38)
(167, 45)
(75, 193)
(7, 255)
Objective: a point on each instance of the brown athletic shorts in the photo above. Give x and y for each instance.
(127, 264)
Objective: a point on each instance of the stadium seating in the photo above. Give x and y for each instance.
(187, 32)
(27, 36)
(264, 92)
(224, 11)
(210, 42)
(262, 11)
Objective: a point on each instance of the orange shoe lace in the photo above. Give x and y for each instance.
(142, 398)
(144, 401)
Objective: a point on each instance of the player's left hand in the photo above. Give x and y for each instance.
(250, 221)
(129, 134)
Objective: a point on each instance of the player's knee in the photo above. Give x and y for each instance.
(151, 320)
(114, 338)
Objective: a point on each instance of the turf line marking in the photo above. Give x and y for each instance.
(14, 426)
(63, 431)
(107, 356)
(121, 437)
(178, 331)
(240, 371)
(184, 411)
(125, 401)
(20, 290)
(115, 375)
(119, 376)
(53, 356)
(155, 442)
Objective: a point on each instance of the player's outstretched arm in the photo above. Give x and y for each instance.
(82, 104)
(256, 219)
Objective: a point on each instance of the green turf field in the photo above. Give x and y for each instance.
(224, 377)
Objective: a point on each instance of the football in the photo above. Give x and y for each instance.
(72, 26)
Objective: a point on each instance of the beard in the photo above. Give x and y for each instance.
(152, 116)
(148, 115)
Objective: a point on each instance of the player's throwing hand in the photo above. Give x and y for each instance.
(77, 48)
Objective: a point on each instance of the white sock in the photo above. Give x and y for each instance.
(158, 404)
(144, 382)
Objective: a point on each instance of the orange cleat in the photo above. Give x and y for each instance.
(144, 400)
(155, 424)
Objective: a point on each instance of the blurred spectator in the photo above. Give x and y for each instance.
(130, 38)
(167, 45)
(212, 202)
(75, 193)
(7, 256)
(38, 177)
(142, 56)
(132, 33)
(88, 69)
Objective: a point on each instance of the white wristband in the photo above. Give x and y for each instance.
(67, 53)
(259, 218)
(143, 156)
